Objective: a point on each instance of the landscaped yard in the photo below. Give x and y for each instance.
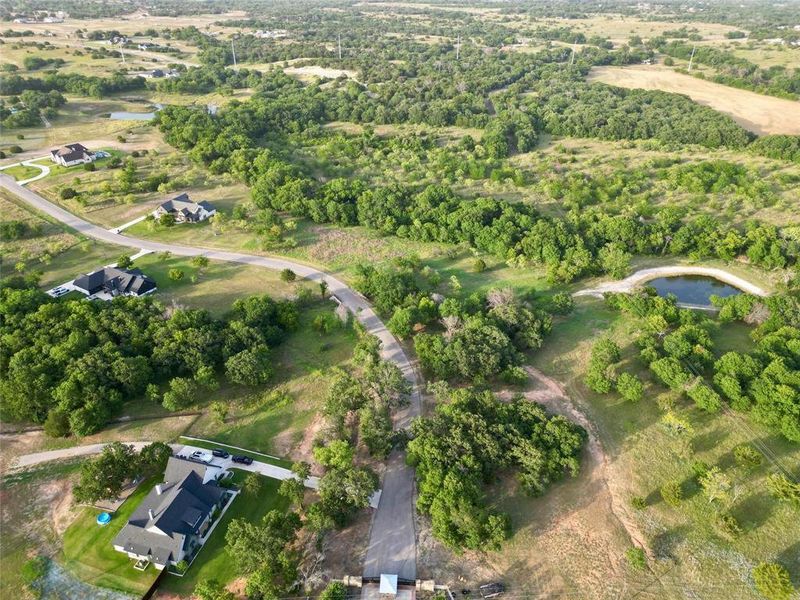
(89, 555)
(213, 561)
(21, 172)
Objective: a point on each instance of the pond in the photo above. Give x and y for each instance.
(693, 289)
(125, 115)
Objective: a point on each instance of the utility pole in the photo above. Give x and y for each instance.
(121, 51)
(458, 47)
(691, 58)
(233, 51)
(339, 44)
(572, 57)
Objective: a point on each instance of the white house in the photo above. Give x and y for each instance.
(71, 155)
(185, 210)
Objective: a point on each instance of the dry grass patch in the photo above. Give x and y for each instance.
(755, 112)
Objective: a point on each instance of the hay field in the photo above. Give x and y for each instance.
(755, 112)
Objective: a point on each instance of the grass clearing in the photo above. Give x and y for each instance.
(645, 456)
(213, 561)
(21, 172)
(756, 112)
(89, 555)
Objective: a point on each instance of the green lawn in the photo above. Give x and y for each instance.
(213, 561)
(89, 555)
(21, 172)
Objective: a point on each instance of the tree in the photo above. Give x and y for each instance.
(293, 489)
(251, 366)
(717, 486)
(264, 552)
(773, 581)
(57, 423)
(210, 589)
(103, 477)
(180, 394)
(630, 387)
(337, 455)
(67, 193)
(252, 484)
(402, 322)
(124, 262)
(288, 275)
(167, 220)
(176, 274)
(153, 458)
(201, 262)
(323, 288)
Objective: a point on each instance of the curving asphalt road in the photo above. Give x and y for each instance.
(392, 543)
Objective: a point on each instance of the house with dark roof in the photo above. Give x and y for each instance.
(185, 210)
(71, 155)
(175, 519)
(110, 282)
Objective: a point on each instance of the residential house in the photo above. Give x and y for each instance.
(174, 520)
(71, 155)
(185, 210)
(109, 282)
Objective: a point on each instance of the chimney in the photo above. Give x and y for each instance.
(150, 513)
(159, 489)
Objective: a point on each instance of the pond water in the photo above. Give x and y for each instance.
(693, 289)
(125, 115)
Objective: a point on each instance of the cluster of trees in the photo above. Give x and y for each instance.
(483, 337)
(678, 349)
(71, 364)
(362, 400)
(13, 230)
(26, 110)
(105, 477)
(72, 83)
(473, 439)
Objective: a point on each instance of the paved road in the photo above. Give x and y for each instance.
(392, 543)
(640, 277)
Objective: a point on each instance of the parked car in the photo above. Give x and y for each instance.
(219, 453)
(245, 460)
(492, 590)
(205, 457)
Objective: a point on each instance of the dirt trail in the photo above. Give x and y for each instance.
(551, 394)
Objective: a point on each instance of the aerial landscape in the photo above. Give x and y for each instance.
(389, 299)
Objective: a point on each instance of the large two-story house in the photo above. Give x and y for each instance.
(71, 155)
(174, 519)
(110, 282)
(185, 210)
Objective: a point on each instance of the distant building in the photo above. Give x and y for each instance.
(71, 155)
(185, 210)
(110, 282)
(174, 520)
(159, 73)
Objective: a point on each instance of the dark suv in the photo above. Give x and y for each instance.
(220, 453)
(245, 460)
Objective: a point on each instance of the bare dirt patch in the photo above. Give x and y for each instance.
(314, 71)
(760, 114)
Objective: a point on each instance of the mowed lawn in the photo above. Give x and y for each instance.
(213, 561)
(89, 555)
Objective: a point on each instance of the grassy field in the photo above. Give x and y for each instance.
(28, 521)
(21, 172)
(89, 555)
(758, 113)
(213, 561)
(689, 552)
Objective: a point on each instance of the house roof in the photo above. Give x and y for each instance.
(70, 152)
(115, 281)
(183, 204)
(170, 512)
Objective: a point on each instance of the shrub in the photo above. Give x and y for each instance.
(727, 525)
(479, 265)
(57, 423)
(784, 489)
(124, 262)
(636, 558)
(15, 149)
(747, 456)
(175, 274)
(630, 387)
(638, 503)
(672, 493)
(336, 590)
(67, 193)
(561, 303)
(288, 275)
(773, 582)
